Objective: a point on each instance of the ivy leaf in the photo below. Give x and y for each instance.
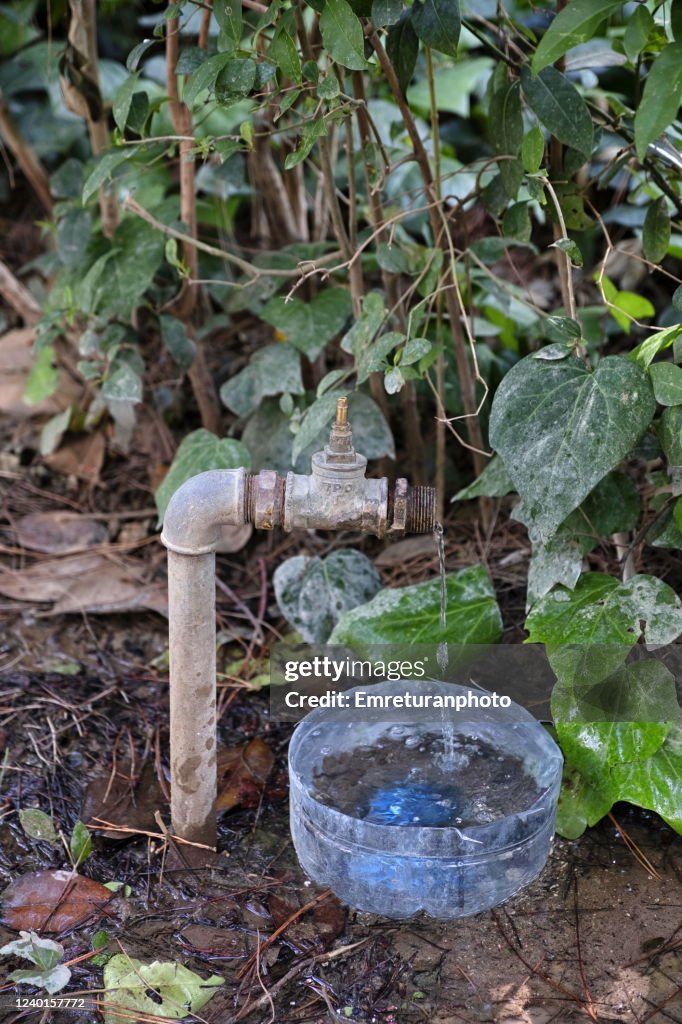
(494, 482)
(177, 992)
(656, 234)
(309, 325)
(575, 24)
(656, 782)
(582, 803)
(438, 24)
(199, 451)
(667, 381)
(80, 844)
(342, 34)
(39, 825)
(655, 343)
(571, 249)
(670, 432)
(411, 615)
(602, 610)
(559, 107)
(313, 593)
(661, 97)
(560, 427)
(176, 341)
(236, 79)
(402, 47)
(272, 370)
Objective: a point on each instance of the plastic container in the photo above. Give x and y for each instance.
(400, 869)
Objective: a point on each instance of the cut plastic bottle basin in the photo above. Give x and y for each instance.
(403, 847)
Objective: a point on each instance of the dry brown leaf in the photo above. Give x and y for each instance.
(16, 360)
(123, 803)
(59, 533)
(82, 457)
(242, 774)
(51, 901)
(317, 928)
(85, 583)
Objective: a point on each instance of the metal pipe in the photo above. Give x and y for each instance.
(337, 495)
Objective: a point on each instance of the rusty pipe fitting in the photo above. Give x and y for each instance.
(336, 495)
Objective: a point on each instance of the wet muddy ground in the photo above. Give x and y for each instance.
(84, 697)
(595, 937)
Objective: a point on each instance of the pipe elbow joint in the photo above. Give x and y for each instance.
(199, 508)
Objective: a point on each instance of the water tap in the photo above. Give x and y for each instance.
(337, 494)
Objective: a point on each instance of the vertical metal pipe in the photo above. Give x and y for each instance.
(191, 612)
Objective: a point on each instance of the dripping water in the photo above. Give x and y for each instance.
(442, 658)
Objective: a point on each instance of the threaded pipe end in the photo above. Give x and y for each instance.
(421, 510)
(249, 497)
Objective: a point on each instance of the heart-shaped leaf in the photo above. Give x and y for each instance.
(560, 427)
(154, 990)
(313, 593)
(411, 615)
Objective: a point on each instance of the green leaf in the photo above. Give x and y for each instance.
(205, 77)
(199, 451)
(581, 803)
(317, 416)
(494, 482)
(411, 615)
(73, 236)
(670, 432)
(532, 150)
(505, 130)
(456, 83)
(562, 329)
(67, 180)
(310, 133)
(558, 561)
(80, 845)
(137, 52)
(104, 168)
(667, 381)
(236, 79)
(402, 47)
(328, 88)
(313, 593)
(637, 31)
(661, 97)
(676, 18)
(342, 34)
(123, 97)
(283, 51)
(228, 14)
(602, 610)
(560, 427)
(122, 383)
(438, 24)
(43, 379)
(576, 23)
(656, 234)
(655, 783)
(516, 222)
(178, 992)
(44, 953)
(272, 370)
(386, 12)
(655, 343)
(309, 326)
(415, 350)
(176, 341)
(39, 825)
(571, 249)
(559, 107)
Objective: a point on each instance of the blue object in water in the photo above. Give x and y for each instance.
(412, 804)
